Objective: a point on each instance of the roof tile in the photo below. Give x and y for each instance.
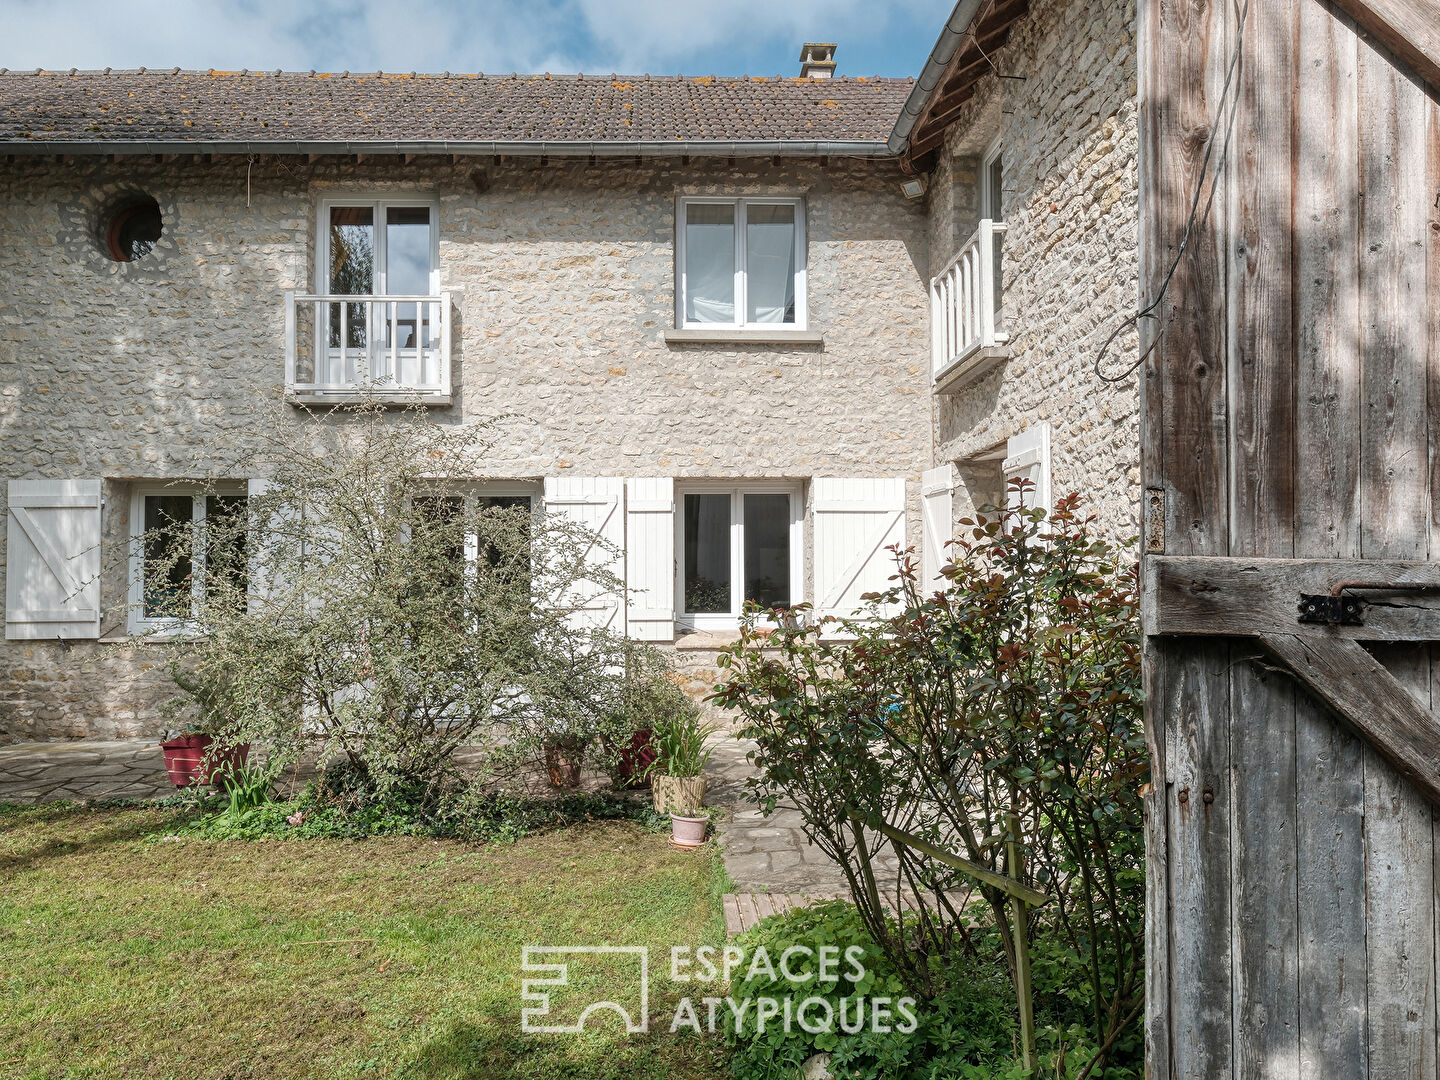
(188, 106)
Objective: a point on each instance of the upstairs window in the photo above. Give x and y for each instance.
(741, 263)
(378, 311)
(992, 175)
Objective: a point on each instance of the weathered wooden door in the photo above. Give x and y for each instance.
(1290, 452)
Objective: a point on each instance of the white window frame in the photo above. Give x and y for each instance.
(471, 491)
(381, 285)
(991, 201)
(686, 620)
(138, 622)
(379, 203)
(742, 305)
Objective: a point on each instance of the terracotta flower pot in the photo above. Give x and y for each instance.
(562, 762)
(677, 792)
(688, 831)
(636, 759)
(185, 759)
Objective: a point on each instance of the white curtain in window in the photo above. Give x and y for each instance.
(770, 263)
(709, 263)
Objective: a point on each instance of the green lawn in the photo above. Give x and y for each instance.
(125, 955)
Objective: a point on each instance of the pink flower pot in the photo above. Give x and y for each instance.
(688, 832)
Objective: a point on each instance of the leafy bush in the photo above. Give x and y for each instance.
(462, 812)
(365, 603)
(968, 1025)
(1003, 709)
(680, 738)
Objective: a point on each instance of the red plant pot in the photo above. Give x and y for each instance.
(185, 759)
(635, 760)
(563, 765)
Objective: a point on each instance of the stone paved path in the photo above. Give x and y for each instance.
(115, 769)
(767, 854)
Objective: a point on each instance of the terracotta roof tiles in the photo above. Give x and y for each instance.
(210, 107)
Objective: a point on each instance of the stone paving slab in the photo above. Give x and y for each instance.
(118, 768)
(770, 854)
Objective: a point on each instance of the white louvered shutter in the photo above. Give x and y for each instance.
(598, 503)
(650, 557)
(855, 521)
(52, 573)
(1027, 456)
(937, 512)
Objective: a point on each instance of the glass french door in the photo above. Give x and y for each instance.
(383, 255)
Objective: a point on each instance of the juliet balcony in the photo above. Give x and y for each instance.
(389, 348)
(965, 328)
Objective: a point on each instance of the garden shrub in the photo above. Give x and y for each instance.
(461, 812)
(968, 1025)
(367, 607)
(1003, 707)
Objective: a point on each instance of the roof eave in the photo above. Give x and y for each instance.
(955, 31)
(518, 148)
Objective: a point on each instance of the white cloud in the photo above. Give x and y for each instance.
(628, 36)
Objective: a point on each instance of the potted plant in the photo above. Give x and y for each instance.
(192, 757)
(688, 826)
(564, 754)
(192, 754)
(650, 694)
(678, 779)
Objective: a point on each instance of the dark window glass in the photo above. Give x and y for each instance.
(225, 540)
(438, 527)
(707, 554)
(168, 545)
(507, 521)
(352, 270)
(767, 550)
(134, 231)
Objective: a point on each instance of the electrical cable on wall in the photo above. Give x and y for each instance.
(1148, 312)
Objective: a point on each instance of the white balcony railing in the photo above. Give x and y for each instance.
(965, 301)
(338, 346)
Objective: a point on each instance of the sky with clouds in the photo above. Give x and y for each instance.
(658, 37)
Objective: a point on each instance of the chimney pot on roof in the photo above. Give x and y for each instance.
(817, 60)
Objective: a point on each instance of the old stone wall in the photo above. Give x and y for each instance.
(1066, 117)
(172, 366)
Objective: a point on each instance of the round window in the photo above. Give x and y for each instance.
(133, 230)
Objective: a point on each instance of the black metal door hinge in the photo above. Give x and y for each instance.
(1330, 610)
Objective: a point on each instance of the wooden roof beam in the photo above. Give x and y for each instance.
(1409, 29)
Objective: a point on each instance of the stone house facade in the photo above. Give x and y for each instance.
(1026, 117)
(704, 305)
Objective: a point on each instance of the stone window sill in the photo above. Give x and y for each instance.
(398, 400)
(731, 335)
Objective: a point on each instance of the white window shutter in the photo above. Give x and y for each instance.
(1027, 456)
(650, 557)
(937, 517)
(262, 585)
(855, 521)
(52, 576)
(598, 503)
